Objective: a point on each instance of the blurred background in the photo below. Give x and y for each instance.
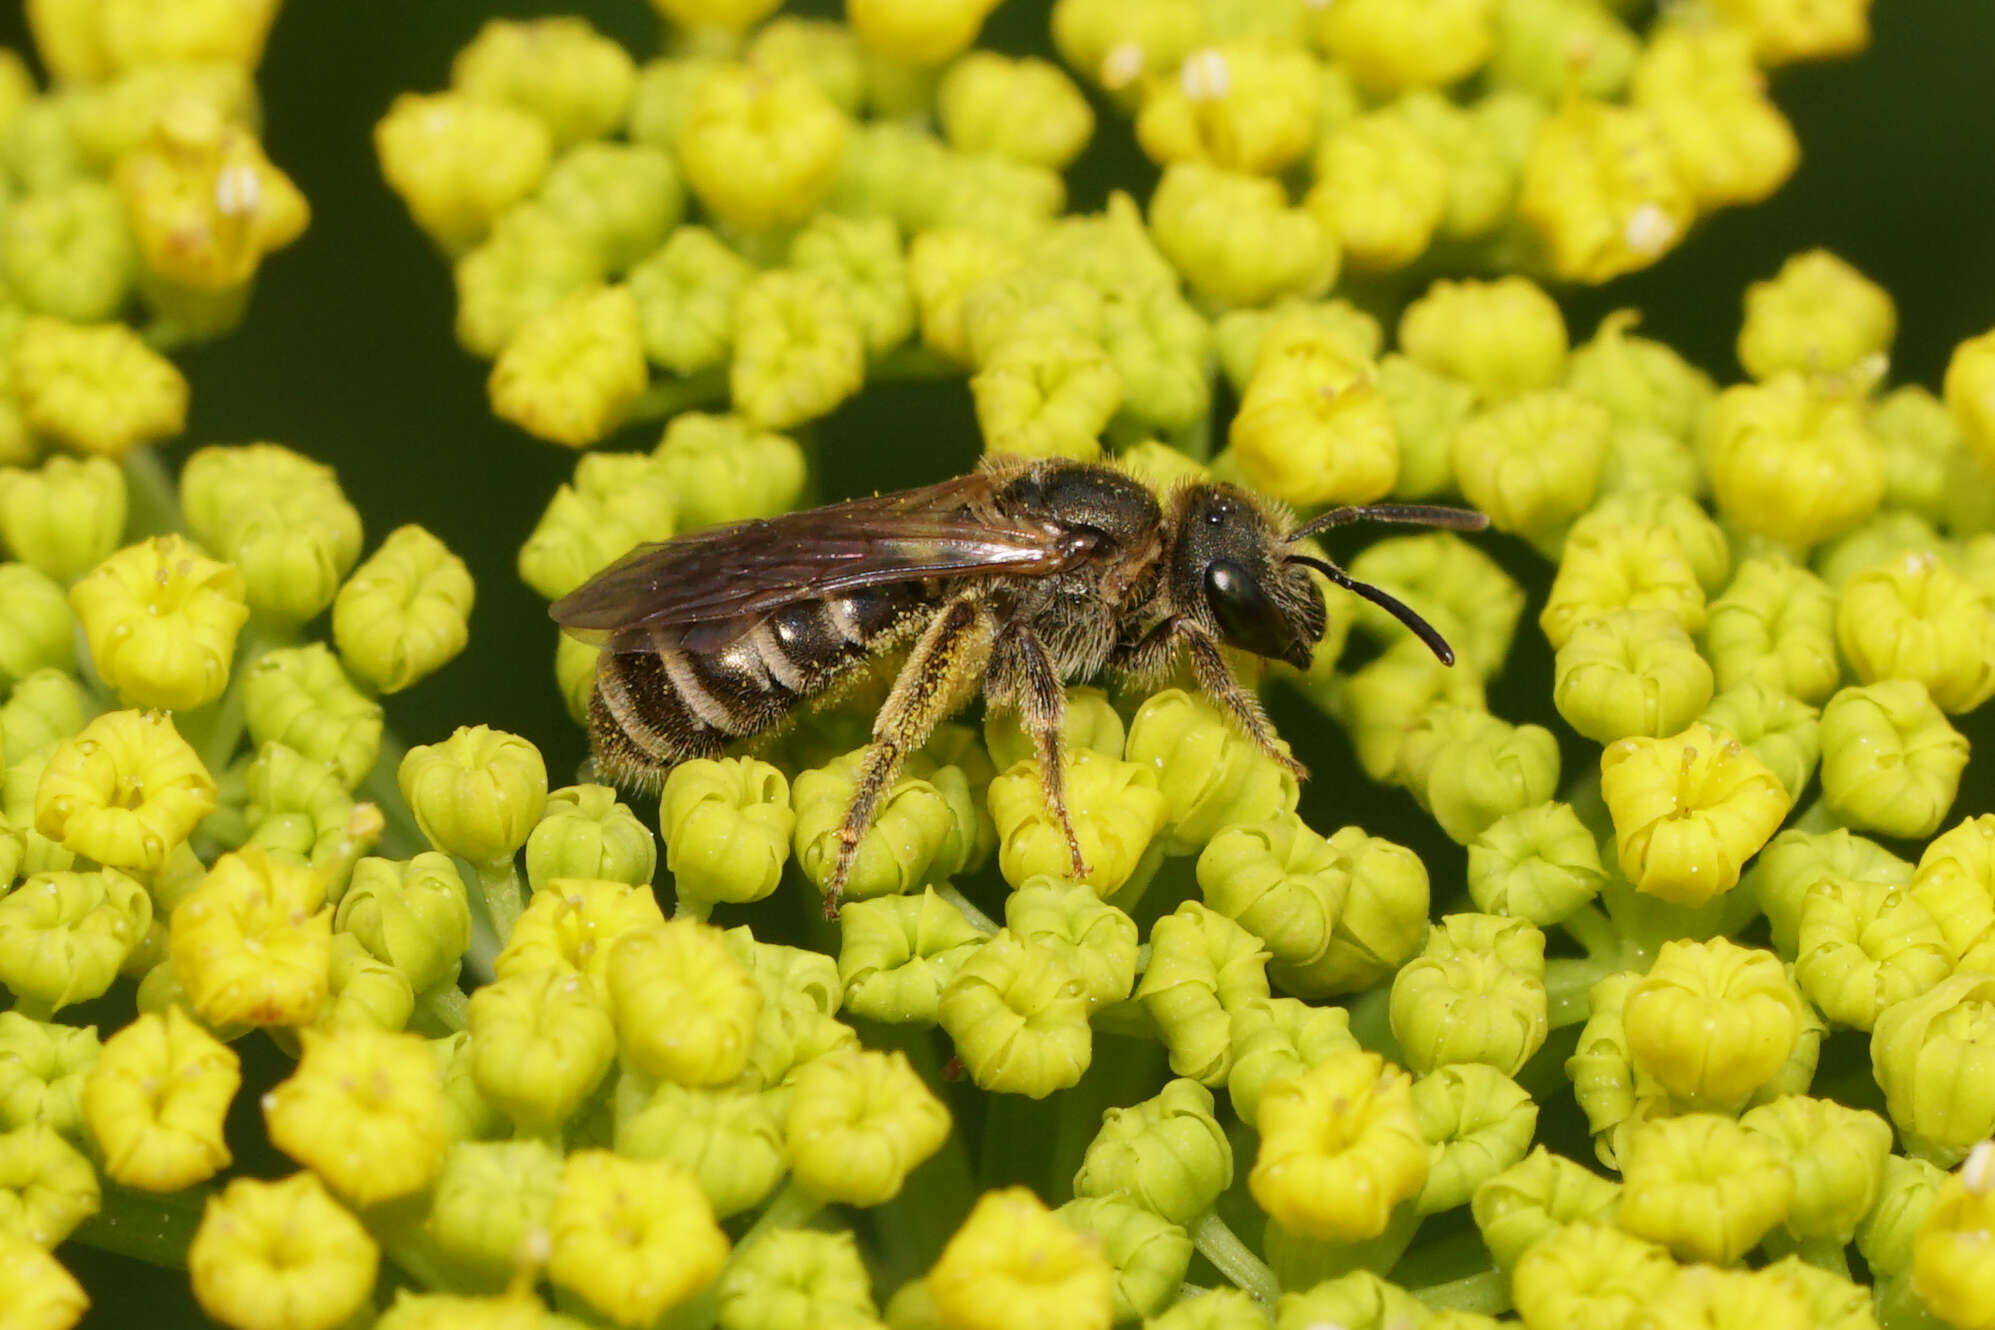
(347, 353)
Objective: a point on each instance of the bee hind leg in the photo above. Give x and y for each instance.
(1023, 674)
(940, 672)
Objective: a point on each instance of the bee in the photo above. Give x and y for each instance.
(1011, 581)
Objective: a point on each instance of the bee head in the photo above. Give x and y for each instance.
(1233, 571)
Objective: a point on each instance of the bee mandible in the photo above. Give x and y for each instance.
(1012, 581)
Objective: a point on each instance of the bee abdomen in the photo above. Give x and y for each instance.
(652, 710)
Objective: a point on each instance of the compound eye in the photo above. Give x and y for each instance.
(1248, 619)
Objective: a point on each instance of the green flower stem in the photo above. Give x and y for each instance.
(155, 503)
(146, 1227)
(447, 1005)
(666, 398)
(1440, 1261)
(1569, 986)
(696, 1313)
(401, 838)
(1231, 1257)
(1899, 1308)
(696, 908)
(792, 1207)
(910, 1230)
(1592, 929)
(1487, 1293)
(505, 899)
(1825, 1254)
(967, 908)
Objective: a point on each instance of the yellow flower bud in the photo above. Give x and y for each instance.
(1688, 811)
(1970, 395)
(1702, 1185)
(1775, 625)
(203, 201)
(760, 150)
(68, 251)
(1915, 618)
(1244, 106)
(281, 1256)
(98, 389)
(944, 266)
(798, 348)
(64, 936)
(570, 374)
(1115, 806)
(1014, 1263)
(38, 1293)
(253, 943)
(1340, 1148)
(1389, 46)
(1817, 316)
(1953, 1256)
(280, 517)
(363, 1110)
(1505, 337)
(859, 1123)
(685, 296)
(531, 261)
(1025, 109)
(1729, 141)
(1630, 672)
(1533, 463)
(1380, 190)
(1791, 463)
(1712, 1022)
(1621, 567)
(1602, 192)
(1017, 1011)
(633, 1238)
(732, 16)
(162, 620)
(540, 1042)
(1235, 238)
(156, 1100)
(1313, 427)
(917, 32)
(47, 1187)
(685, 1007)
(458, 162)
(124, 791)
(1590, 1273)
(1890, 761)
(576, 81)
(1789, 30)
(401, 616)
(135, 33)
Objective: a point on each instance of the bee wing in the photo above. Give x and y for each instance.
(735, 575)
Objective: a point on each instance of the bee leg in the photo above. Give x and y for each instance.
(947, 660)
(1023, 674)
(1208, 666)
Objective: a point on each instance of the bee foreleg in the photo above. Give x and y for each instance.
(1023, 674)
(1208, 666)
(945, 663)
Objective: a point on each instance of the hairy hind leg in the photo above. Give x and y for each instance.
(942, 670)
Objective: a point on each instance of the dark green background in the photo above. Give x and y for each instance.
(347, 353)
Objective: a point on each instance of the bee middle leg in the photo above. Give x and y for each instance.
(947, 660)
(1023, 675)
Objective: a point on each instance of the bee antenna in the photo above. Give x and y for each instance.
(1386, 601)
(1412, 514)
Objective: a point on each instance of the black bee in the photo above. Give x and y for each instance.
(1012, 581)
